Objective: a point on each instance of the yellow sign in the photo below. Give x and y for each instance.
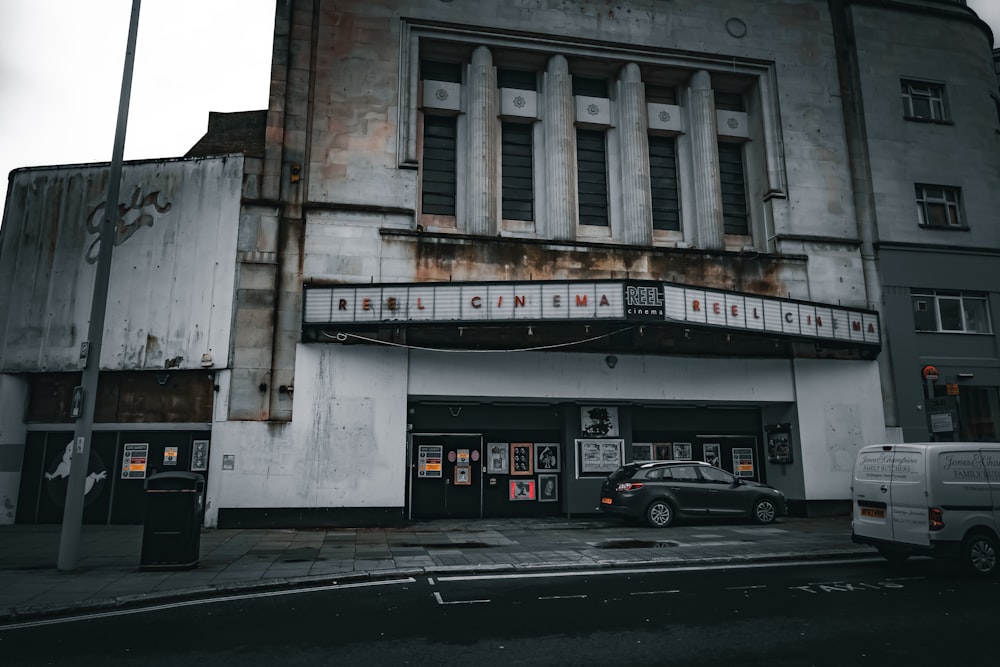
(952, 389)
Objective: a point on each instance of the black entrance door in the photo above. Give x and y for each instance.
(446, 476)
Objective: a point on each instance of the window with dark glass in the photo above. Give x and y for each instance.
(659, 94)
(939, 206)
(923, 100)
(433, 70)
(592, 178)
(590, 87)
(516, 78)
(516, 173)
(950, 311)
(663, 183)
(728, 101)
(438, 165)
(735, 219)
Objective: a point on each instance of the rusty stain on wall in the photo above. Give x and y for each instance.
(442, 259)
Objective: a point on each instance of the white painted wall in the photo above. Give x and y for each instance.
(345, 446)
(839, 411)
(571, 376)
(13, 400)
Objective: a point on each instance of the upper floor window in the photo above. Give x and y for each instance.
(947, 311)
(516, 172)
(663, 183)
(735, 218)
(592, 177)
(437, 192)
(923, 100)
(939, 206)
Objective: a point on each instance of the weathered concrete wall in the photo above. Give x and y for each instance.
(359, 121)
(345, 446)
(171, 288)
(894, 45)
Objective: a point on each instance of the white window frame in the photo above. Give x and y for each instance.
(950, 200)
(927, 91)
(933, 299)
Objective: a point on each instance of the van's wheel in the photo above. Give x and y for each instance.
(893, 556)
(764, 511)
(979, 554)
(659, 514)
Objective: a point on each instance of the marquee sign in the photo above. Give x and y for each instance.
(580, 301)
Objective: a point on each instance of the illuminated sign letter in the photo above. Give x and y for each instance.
(366, 304)
(556, 301)
(519, 301)
(581, 299)
(604, 301)
(476, 302)
(390, 303)
(696, 305)
(342, 304)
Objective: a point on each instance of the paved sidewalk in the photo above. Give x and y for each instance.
(108, 574)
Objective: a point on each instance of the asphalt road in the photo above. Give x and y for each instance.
(842, 613)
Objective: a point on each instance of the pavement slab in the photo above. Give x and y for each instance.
(109, 573)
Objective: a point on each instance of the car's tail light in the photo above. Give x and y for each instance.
(935, 518)
(628, 486)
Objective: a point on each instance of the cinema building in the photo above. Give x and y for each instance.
(484, 253)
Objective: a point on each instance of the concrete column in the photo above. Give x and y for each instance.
(482, 186)
(637, 199)
(705, 163)
(560, 151)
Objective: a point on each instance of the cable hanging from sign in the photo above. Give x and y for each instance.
(342, 337)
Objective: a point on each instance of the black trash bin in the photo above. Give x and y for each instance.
(171, 536)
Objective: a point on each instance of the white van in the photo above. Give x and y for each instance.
(932, 498)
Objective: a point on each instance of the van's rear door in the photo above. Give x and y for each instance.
(908, 496)
(889, 494)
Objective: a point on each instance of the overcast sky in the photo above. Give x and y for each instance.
(61, 65)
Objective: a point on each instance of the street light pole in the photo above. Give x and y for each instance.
(90, 351)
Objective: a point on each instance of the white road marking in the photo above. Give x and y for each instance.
(192, 603)
(742, 588)
(437, 596)
(654, 592)
(655, 570)
(562, 597)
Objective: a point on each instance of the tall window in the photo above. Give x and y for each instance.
(923, 100)
(735, 219)
(438, 165)
(939, 206)
(950, 311)
(591, 176)
(516, 174)
(663, 183)
(440, 135)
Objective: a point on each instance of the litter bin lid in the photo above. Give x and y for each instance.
(175, 481)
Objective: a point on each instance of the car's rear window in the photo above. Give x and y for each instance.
(625, 472)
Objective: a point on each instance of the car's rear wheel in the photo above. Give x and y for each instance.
(979, 554)
(765, 511)
(659, 514)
